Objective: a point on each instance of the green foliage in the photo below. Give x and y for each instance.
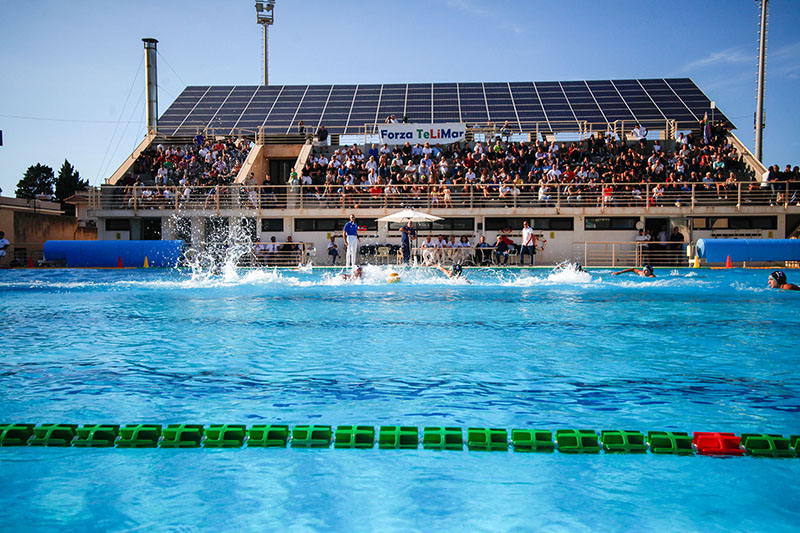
(38, 179)
(69, 182)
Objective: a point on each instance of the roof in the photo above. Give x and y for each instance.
(345, 109)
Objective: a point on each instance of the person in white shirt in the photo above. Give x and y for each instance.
(428, 250)
(639, 132)
(4, 245)
(528, 243)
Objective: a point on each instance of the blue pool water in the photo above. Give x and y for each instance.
(705, 350)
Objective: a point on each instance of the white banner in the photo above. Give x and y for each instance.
(451, 132)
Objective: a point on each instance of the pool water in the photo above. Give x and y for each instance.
(691, 350)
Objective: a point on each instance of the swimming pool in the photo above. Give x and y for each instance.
(692, 350)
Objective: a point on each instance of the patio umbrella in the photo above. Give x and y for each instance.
(410, 215)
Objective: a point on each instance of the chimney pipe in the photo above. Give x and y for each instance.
(152, 84)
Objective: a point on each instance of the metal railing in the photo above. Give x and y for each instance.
(22, 254)
(626, 254)
(646, 196)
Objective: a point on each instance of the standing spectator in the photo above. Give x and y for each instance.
(528, 243)
(4, 244)
(322, 136)
(407, 233)
(350, 236)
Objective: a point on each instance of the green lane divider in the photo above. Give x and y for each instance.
(225, 436)
(398, 437)
(615, 441)
(15, 434)
(571, 441)
(53, 435)
(268, 436)
(532, 440)
(96, 436)
(311, 436)
(182, 436)
(442, 438)
(487, 440)
(670, 442)
(354, 437)
(139, 436)
(577, 441)
(762, 445)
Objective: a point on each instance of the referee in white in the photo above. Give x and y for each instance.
(350, 236)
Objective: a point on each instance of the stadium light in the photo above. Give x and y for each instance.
(265, 17)
(762, 65)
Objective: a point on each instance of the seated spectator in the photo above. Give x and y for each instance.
(501, 251)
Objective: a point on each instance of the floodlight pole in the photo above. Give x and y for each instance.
(762, 65)
(265, 17)
(152, 84)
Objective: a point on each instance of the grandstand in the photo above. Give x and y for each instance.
(588, 163)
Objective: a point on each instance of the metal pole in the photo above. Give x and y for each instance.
(152, 84)
(266, 54)
(762, 59)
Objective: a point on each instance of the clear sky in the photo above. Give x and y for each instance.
(74, 70)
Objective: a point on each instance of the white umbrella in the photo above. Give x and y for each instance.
(409, 214)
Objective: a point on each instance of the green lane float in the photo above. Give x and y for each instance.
(268, 436)
(442, 438)
(311, 436)
(615, 441)
(670, 442)
(225, 436)
(53, 435)
(139, 436)
(577, 441)
(354, 437)
(532, 440)
(364, 437)
(487, 440)
(96, 435)
(398, 437)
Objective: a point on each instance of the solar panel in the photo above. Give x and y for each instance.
(347, 108)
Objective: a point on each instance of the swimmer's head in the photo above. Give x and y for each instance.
(578, 267)
(457, 269)
(777, 278)
(648, 269)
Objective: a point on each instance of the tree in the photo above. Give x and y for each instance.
(38, 179)
(69, 182)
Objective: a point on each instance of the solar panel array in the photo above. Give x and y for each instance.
(345, 109)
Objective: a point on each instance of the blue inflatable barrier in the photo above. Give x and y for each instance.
(750, 250)
(99, 254)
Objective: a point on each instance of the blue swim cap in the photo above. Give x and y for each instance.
(648, 268)
(457, 269)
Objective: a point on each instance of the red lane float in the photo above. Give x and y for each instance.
(711, 443)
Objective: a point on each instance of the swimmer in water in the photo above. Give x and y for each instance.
(777, 280)
(645, 272)
(455, 272)
(357, 272)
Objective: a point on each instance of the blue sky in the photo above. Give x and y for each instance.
(74, 70)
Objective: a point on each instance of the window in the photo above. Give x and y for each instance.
(741, 223)
(446, 225)
(271, 224)
(331, 224)
(610, 223)
(537, 223)
(118, 224)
